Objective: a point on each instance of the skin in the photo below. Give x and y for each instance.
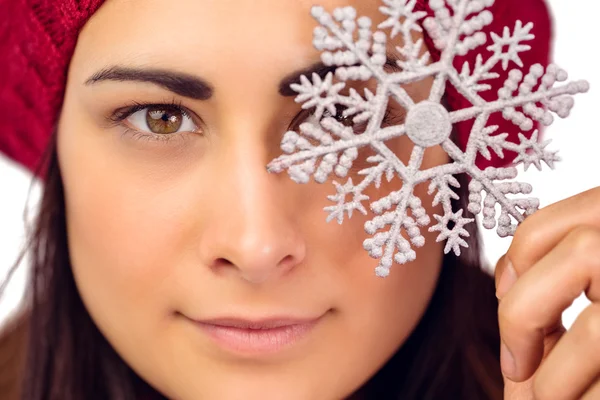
(554, 257)
(195, 227)
(164, 232)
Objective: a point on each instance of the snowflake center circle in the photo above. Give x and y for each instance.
(428, 124)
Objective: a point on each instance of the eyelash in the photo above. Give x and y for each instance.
(388, 117)
(121, 114)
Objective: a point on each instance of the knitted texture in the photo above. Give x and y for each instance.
(37, 40)
(327, 143)
(38, 37)
(505, 13)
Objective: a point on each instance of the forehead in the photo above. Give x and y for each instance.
(263, 37)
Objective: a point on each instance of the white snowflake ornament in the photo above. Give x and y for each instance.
(324, 145)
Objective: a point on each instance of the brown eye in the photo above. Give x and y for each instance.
(339, 116)
(164, 120)
(346, 121)
(161, 119)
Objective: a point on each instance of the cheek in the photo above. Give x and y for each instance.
(120, 236)
(124, 234)
(376, 315)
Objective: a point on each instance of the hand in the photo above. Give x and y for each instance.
(554, 257)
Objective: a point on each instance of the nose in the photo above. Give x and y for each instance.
(251, 231)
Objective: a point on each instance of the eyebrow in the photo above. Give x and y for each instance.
(196, 88)
(322, 70)
(177, 82)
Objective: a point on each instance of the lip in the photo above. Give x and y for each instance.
(258, 336)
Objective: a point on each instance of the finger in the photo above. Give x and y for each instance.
(524, 390)
(505, 276)
(500, 267)
(543, 230)
(533, 307)
(593, 393)
(574, 363)
(518, 391)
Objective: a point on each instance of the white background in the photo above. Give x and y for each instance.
(577, 139)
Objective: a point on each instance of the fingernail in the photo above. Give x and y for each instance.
(507, 361)
(507, 279)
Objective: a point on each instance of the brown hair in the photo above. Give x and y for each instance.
(54, 351)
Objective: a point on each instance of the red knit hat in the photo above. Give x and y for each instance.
(38, 37)
(37, 40)
(506, 13)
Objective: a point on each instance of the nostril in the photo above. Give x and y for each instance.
(286, 261)
(222, 262)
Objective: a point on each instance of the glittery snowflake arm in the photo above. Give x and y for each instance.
(403, 19)
(443, 185)
(324, 146)
(496, 193)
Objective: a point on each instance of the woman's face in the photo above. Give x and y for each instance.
(176, 229)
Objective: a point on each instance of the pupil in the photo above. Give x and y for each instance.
(347, 121)
(163, 120)
(339, 115)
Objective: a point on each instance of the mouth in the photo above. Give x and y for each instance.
(257, 336)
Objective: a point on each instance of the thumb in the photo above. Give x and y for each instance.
(525, 390)
(518, 391)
